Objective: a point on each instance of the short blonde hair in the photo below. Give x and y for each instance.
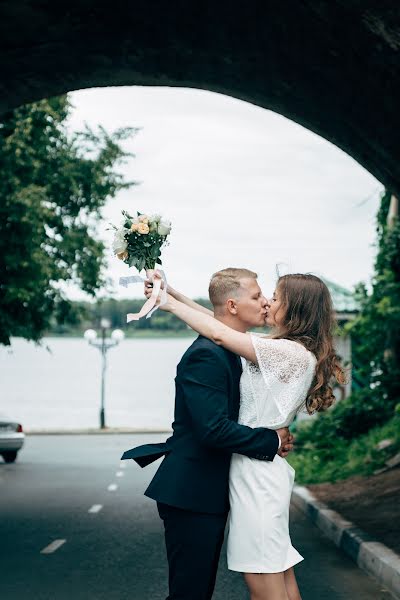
(226, 283)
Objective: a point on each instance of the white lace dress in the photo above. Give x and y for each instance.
(259, 491)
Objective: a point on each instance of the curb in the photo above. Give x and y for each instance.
(371, 556)
(107, 431)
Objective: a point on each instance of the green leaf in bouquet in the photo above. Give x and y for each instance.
(141, 263)
(132, 261)
(150, 264)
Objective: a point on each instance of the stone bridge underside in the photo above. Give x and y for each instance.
(331, 65)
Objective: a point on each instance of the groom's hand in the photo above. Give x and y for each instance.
(287, 440)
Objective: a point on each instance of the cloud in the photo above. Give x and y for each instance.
(242, 186)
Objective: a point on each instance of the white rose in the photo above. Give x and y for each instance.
(155, 218)
(120, 244)
(164, 228)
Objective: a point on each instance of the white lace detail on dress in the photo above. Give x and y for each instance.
(285, 359)
(275, 390)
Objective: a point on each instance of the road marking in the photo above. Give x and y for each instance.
(119, 474)
(53, 547)
(112, 487)
(95, 508)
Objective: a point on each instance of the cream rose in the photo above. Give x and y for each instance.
(143, 228)
(143, 219)
(135, 227)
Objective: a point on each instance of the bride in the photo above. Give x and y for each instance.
(286, 371)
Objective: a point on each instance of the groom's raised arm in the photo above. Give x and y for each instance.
(204, 384)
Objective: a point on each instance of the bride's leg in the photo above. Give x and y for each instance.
(266, 586)
(292, 588)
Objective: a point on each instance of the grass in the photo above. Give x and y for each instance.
(341, 458)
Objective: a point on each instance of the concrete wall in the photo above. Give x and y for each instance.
(330, 65)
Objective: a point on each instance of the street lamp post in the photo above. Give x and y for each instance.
(103, 344)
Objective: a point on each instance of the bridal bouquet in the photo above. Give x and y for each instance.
(139, 240)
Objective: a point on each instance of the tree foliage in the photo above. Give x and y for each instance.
(115, 311)
(52, 188)
(376, 331)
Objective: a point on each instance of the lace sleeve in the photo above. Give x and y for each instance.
(287, 370)
(283, 359)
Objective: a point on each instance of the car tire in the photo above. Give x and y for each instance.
(10, 456)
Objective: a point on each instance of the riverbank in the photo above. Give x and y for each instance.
(97, 431)
(131, 333)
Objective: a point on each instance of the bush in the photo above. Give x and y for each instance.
(347, 420)
(319, 460)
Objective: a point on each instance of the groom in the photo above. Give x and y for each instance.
(191, 484)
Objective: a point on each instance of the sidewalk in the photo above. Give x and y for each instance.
(372, 556)
(95, 431)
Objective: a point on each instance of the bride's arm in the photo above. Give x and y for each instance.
(209, 327)
(185, 300)
(182, 298)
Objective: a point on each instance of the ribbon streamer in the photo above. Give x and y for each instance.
(149, 307)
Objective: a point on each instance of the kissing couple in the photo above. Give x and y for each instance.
(236, 395)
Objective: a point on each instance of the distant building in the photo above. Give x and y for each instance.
(345, 305)
(346, 309)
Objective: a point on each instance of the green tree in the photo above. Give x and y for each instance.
(90, 314)
(52, 187)
(376, 331)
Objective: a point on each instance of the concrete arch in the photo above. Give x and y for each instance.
(330, 65)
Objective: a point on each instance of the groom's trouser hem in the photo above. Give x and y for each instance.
(193, 542)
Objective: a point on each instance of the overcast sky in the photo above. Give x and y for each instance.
(242, 186)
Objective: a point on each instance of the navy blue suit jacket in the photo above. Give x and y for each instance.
(194, 474)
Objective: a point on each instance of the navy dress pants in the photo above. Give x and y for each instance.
(193, 542)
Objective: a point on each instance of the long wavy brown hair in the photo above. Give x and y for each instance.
(309, 319)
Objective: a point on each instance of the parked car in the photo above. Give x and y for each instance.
(12, 439)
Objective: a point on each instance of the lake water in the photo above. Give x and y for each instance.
(61, 388)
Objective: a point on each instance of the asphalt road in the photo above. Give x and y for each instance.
(116, 551)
